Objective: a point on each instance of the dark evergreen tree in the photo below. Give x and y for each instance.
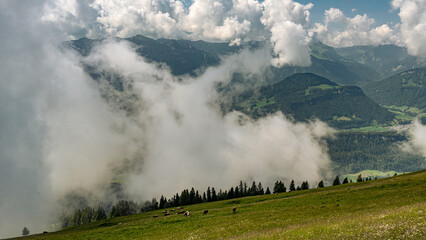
(237, 192)
(345, 180)
(253, 188)
(209, 195)
(163, 202)
(241, 189)
(336, 181)
(359, 178)
(321, 184)
(268, 191)
(231, 193)
(279, 187)
(204, 197)
(292, 187)
(260, 190)
(100, 214)
(245, 190)
(305, 185)
(192, 196)
(298, 188)
(25, 231)
(214, 196)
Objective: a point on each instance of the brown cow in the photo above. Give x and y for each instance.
(180, 212)
(205, 212)
(167, 213)
(234, 209)
(186, 213)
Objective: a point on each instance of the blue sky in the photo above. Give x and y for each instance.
(380, 10)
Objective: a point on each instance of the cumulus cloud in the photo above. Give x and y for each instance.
(287, 21)
(341, 31)
(413, 24)
(284, 23)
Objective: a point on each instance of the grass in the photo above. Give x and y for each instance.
(369, 129)
(391, 208)
(370, 173)
(322, 87)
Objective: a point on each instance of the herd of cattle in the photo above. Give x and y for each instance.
(185, 213)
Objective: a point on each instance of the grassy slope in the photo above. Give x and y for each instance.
(392, 208)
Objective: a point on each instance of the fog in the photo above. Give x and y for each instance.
(63, 132)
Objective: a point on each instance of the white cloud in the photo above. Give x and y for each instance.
(417, 142)
(233, 21)
(341, 31)
(287, 21)
(413, 24)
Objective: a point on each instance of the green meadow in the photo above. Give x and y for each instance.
(389, 208)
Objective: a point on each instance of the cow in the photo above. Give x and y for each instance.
(167, 213)
(186, 213)
(155, 216)
(234, 209)
(205, 212)
(172, 210)
(180, 212)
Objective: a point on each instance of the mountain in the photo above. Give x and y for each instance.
(386, 60)
(404, 89)
(305, 96)
(192, 57)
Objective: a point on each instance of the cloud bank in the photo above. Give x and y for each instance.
(341, 31)
(413, 24)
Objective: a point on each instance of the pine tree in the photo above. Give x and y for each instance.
(231, 193)
(192, 197)
(25, 231)
(321, 184)
(305, 185)
(163, 202)
(336, 181)
(100, 214)
(209, 195)
(359, 178)
(298, 188)
(214, 196)
(292, 188)
(260, 190)
(268, 191)
(345, 180)
(237, 192)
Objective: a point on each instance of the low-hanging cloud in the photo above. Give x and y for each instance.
(417, 141)
(413, 24)
(64, 132)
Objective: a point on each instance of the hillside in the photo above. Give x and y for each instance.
(391, 208)
(404, 89)
(191, 57)
(386, 60)
(305, 96)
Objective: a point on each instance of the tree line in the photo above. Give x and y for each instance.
(186, 197)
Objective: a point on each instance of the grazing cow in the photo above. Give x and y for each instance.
(205, 212)
(179, 208)
(180, 212)
(186, 214)
(167, 213)
(155, 216)
(234, 209)
(172, 210)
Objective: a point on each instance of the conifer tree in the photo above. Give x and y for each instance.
(345, 180)
(359, 178)
(209, 195)
(25, 231)
(321, 184)
(336, 181)
(292, 187)
(214, 196)
(268, 191)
